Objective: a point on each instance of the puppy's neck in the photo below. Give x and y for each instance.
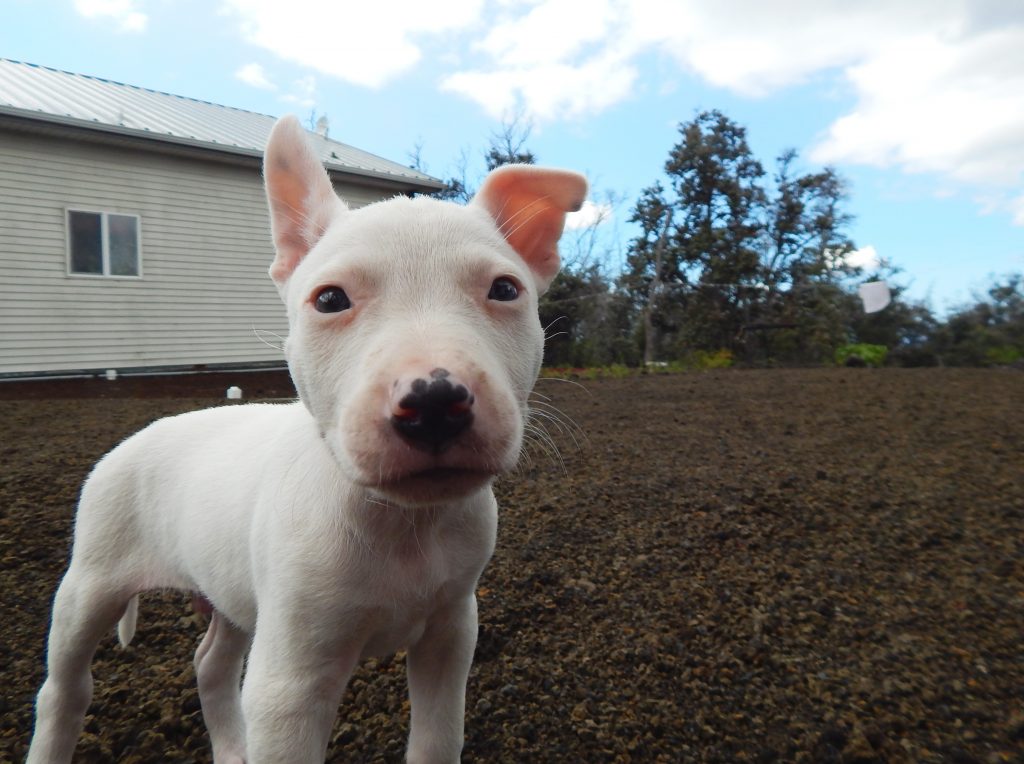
(381, 523)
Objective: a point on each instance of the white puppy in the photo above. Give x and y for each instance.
(357, 521)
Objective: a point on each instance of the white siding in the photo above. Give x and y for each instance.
(205, 250)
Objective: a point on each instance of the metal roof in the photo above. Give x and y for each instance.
(50, 95)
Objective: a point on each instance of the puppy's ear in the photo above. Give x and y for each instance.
(528, 205)
(302, 200)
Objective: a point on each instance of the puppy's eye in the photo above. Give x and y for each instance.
(503, 290)
(332, 300)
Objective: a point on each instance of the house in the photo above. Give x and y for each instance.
(134, 234)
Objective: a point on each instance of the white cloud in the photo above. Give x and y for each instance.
(937, 105)
(866, 257)
(1017, 210)
(590, 214)
(934, 84)
(303, 92)
(363, 43)
(557, 60)
(555, 55)
(122, 12)
(750, 47)
(253, 74)
(755, 48)
(554, 60)
(548, 92)
(554, 30)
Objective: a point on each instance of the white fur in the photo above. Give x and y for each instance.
(317, 533)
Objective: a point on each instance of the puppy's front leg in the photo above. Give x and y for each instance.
(438, 667)
(290, 696)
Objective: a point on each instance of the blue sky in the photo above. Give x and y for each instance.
(918, 104)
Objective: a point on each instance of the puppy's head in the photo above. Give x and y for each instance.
(414, 337)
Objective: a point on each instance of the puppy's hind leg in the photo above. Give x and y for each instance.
(218, 665)
(84, 609)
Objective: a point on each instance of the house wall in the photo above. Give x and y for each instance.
(205, 250)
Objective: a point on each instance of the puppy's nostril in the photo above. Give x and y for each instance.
(461, 408)
(405, 414)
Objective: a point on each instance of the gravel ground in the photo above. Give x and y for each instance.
(819, 565)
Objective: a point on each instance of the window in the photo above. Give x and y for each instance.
(103, 244)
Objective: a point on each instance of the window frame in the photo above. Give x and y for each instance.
(104, 244)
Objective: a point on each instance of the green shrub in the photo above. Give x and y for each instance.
(1003, 355)
(871, 355)
(702, 360)
(613, 371)
(719, 359)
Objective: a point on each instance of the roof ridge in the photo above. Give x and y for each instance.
(97, 78)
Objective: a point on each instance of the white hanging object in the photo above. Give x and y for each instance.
(875, 295)
(234, 393)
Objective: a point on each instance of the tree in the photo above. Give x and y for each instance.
(588, 323)
(457, 187)
(716, 182)
(507, 145)
(804, 233)
(990, 332)
(724, 260)
(804, 249)
(653, 268)
(695, 260)
(585, 322)
(904, 327)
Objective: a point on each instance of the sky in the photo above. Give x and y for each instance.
(919, 104)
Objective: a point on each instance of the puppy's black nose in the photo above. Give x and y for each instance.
(434, 412)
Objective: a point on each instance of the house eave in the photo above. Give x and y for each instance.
(37, 122)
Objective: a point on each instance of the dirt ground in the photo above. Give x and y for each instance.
(816, 565)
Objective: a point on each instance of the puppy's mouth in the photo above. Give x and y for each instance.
(434, 484)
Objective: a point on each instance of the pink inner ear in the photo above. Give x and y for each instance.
(302, 200)
(532, 228)
(294, 233)
(528, 205)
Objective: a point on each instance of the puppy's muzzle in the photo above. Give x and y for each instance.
(431, 414)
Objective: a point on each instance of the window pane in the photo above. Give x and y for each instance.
(86, 245)
(122, 234)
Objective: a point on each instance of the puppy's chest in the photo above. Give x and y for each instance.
(417, 569)
(412, 583)
(412, 556)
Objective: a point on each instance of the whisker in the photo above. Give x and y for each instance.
(523, 211)
(259, 335)
(520, 225)
(567, 381)
(563, 317)
(527, 210)
(542, 441)
(298, 213)
(565, 429)
(565, 423)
